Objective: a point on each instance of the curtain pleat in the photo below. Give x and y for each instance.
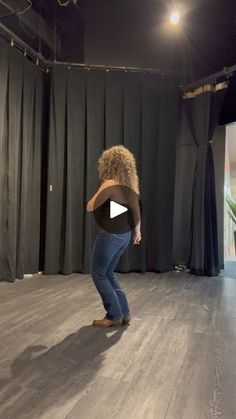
(56, 168)
(4, 76)
(134, 258)
(21, 113)
(14, 162)
(94, 147)
(114, 101)
(202, 114)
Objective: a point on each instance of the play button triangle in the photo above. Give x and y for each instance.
(116, 209)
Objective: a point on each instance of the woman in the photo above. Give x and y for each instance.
(117, 169)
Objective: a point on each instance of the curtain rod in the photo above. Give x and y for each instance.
(24, 48)
(110, 67)
(226, 72)
(46, 65)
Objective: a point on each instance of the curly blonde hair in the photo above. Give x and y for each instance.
(118, 163)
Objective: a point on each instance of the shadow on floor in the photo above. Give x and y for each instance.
(51, 377)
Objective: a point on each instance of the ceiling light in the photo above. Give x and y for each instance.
(175, 18)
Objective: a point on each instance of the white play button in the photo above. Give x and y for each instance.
(116, 209)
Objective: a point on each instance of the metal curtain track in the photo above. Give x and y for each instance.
(47, 64)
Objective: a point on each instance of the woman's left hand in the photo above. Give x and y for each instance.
(137, 237)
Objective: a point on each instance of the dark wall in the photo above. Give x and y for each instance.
(129, 33)
(136, 33)
(123, 45)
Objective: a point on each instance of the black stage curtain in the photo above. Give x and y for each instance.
(20, 164)
(93, 110)
(200, 116)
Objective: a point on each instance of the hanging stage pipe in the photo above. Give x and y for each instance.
(25, 12)
(114, 68)
(227, 72)
(46, 64)
(24, 48)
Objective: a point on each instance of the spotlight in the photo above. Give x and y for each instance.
(175, 18)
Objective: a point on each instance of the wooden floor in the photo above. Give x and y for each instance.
(177, 360)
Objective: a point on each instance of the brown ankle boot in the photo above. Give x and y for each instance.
(107, 323)
(126, 320)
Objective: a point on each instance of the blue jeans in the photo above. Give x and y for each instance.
(107, 251)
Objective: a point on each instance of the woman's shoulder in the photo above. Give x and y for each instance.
(109, 182)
